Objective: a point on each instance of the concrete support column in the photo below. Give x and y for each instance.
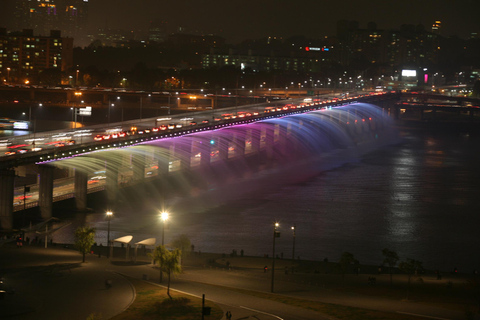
(81, 183)
(45, 191)
(269, 144)
(138, 163)
(223, 143)
(7, 183)
(255, 140)
(162, 156)
(253, 157)
(205, 154)
(240, 137)
(183, 151)
(282, 143)
(111, 183)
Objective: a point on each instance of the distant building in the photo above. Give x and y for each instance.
(305, 59)
(157, 31)
(437, 26)
(23, 55)
(68, 16)
(110, 37)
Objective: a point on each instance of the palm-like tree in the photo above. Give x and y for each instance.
(169, 262)
(84, 239)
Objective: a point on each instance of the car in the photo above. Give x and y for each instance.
(163, 127)
(178, 125)
(69, 142)
(155, 129)
(106, 137)
(10, 153)
(171, 126)
(121, 134)
(205, 121)
(146, 131)
(193, 123)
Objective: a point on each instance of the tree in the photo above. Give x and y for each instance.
(410, 267)
(390, 259)
(345, 260)
(182, 242)
(169, 262)
(84, 240)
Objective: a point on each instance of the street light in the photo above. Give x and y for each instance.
(293, 250)
(276, 234)
(164, 217)
(109, 217)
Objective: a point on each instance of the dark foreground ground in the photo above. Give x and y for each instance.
(52, 283)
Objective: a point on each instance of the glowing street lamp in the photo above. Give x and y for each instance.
(109, 217)
(293, 250)
(276, 234)
(164, 216)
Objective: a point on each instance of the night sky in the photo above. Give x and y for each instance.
(248, 19)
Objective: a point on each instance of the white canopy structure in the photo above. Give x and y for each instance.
(146, 242)
(125, 240)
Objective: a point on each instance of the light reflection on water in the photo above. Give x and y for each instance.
(419, 199)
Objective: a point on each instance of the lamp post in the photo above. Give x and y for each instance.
(8, 75)
(109, 217)
(276, 234)
(78, 94)
(293, 250)
(164, 217)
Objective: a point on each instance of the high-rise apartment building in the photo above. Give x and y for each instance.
(23, 56)
(68, 16)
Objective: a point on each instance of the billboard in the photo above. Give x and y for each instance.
(409, 73)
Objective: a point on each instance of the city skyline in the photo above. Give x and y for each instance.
(252, 20)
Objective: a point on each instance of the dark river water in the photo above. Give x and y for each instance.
(419, 197)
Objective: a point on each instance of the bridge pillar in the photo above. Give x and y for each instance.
(239, 143)
(7, 184)
(81, 183)
(162, 156)
(111, 183)
(252, 149)
(138, 163)
(282, 143)
(45, 190)
(183, 152)
(269, 144)
(223, 144)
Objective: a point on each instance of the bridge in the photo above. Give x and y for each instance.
(434, 107)
(238, 141)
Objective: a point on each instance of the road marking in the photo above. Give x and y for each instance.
(266, 313)
(421, 315)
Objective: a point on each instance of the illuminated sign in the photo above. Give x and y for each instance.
(316, 49)
(87, 111)
(20, 125)
(409, 73)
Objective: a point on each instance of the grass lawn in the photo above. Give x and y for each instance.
(152, 302)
